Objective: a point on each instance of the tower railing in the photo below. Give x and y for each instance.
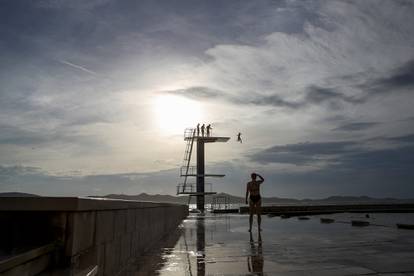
(191, 188)
(188, 133)
(188, 170)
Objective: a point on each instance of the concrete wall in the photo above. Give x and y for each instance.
(87, 233)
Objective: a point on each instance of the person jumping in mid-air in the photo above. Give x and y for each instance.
(255, 200)
(202, 130)
(209, 130)
(239, 139)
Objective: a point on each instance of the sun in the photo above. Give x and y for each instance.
(173, 113)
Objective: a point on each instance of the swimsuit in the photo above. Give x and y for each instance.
(255, 198)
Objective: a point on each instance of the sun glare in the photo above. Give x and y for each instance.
(174, 113)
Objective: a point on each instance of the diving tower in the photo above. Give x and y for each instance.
(197, 189)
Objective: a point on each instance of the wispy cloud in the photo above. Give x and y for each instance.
(304, 153)
(82, 68)
(356, 126)
(197, 92)
(313, 95)
(395, 152)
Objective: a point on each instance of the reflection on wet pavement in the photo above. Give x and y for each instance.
(201, 246)
(255, 260)
(221, 245)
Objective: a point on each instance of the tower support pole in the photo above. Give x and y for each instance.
(200, 174)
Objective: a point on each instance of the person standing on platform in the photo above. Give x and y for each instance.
(255, 200)
(198, 129)
(202, 130)
(209, 130)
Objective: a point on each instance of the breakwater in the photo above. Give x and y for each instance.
(299, 210)
(80, 236)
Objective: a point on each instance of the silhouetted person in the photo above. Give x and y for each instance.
(198, 129)
(209, 130)
(239, 139)
(255, 260)
(202, 130)
(255, 200)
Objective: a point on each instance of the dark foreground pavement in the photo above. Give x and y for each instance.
(221, 245)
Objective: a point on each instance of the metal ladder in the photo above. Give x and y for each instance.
(187, 156)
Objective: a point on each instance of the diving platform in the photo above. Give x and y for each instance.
(210, 139)
(198, 137)
(192, 134)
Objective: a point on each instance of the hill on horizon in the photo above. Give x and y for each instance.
(17, 194)
(266, 200)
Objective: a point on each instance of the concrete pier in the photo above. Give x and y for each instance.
(221, 245)
(77, 236)
(300, 210)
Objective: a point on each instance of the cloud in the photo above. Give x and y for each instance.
(37, 137)
(314, 95)
(349, 167)
(76, 4)
(409, 138)
(360, 177)
(303, 153)
(400, 158)
(78, 67)
(395, 80)
(273, 100)
(397, 154)
(11, 135)
(37, 181)
(356, 126)
(206, 93)
(317, 95)
(197, 92)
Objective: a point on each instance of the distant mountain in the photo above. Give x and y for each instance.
(266, 200)
(147, 197)
(17, 194)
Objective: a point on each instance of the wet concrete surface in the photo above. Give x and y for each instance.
(219, 244)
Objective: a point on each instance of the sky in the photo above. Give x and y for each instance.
(95, 95)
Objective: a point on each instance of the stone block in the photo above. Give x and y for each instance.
(135, 244)
(100, 259)
(105, 224)
(86, 259)
(81, 232)
(33, 267)
(112, 258)
(120, 222)
(58, 223)
(142, 222)
(125, 248)
(130, 222)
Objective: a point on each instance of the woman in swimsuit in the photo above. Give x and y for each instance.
(255, 202)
